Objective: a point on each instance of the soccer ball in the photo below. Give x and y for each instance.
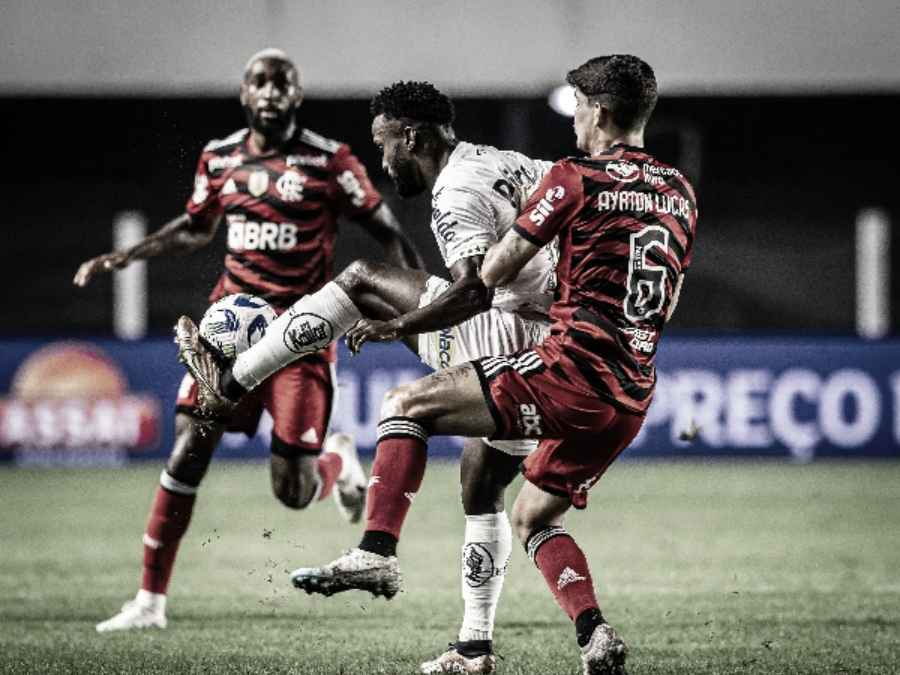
(235, 323)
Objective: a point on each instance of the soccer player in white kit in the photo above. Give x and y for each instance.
(477, 193)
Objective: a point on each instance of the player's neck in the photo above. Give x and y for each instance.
(261, 143)
(440, 161)
(601, 145)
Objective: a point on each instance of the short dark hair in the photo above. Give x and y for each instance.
(416, 101)
(624, 82)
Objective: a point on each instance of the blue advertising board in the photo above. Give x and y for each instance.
(108, 402)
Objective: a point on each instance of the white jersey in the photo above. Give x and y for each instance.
(475, 201)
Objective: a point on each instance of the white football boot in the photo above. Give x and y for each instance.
(605, 653)
(451, 661)
(355, 570)
(350, 488)
(147, 610)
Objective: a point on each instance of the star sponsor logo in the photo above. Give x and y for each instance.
(258, 183)
(306, 333)
(622, 170)
(290, 186)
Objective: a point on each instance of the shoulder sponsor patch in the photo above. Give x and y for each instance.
(623, 170)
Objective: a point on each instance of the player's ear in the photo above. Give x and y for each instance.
(410, 137)
(244, 93)
(298, 97)
(602, 115)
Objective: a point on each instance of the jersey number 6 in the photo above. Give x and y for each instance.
(646, 282)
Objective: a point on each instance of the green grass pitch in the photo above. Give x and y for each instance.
(703, 568)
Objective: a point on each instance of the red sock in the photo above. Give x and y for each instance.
(565, 569)
(169, 518)
(400, 458)
(329, 465)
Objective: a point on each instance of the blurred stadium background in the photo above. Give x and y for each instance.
(784, 347)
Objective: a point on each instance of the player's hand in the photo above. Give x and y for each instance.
(370, 330)
(102, 263)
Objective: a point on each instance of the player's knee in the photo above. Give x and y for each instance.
(397, 402)
(409, 400)
(523, 521)
(296, 495)
(294, 482)
(189, 459)
(481, 497)
(355, 276)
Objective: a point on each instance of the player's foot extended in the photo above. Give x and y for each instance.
(134, 615)
(355, 570)
(451, 661)
(203, 365)
(605, 653)
(350, 492)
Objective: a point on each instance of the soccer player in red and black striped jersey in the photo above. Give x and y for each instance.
(626, 224)
(280, 189)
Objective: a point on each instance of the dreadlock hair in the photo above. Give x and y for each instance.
(418, 104)
(624, 83)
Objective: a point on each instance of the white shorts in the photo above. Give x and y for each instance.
(491, 333)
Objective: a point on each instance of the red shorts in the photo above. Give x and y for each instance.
(581, 435)
(299, 398)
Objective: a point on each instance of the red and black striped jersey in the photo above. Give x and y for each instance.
(626, 224)
(281, 210)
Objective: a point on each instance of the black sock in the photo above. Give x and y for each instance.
(232, 389)
(382, 543)
(472, 648)
(585, 623)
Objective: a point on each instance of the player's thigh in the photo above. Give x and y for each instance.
(485, 471)
(378, 286)
(568, 468)
(448, 402)
(300, 397)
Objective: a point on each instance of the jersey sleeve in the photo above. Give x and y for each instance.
(558, 196)
(355, 193)
(463, 222)
(204, 203)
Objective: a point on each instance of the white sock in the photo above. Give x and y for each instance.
(309, 325)
(153, 601)
(485, 556)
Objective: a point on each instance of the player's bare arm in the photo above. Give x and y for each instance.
(180, 235)
(506, 258)
(463, 299)
(399, 250)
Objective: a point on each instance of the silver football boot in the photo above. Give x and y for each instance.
(451, 661)
(355, 570)
(605, 653)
